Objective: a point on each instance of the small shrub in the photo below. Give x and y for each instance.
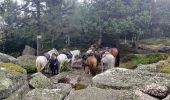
(30, 69)
(79, 86)
(133, 60)
(65, 67)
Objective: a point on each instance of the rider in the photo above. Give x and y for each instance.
(53, 64)
(67, 53)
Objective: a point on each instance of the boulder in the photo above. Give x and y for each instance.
(44, 94)
(29, 51)
(120, 78)
(27, 60)
(7, 58)
(143, 96)
(40, 81)
(94, 93)
(156, 90)
(155, 67)
(165, 49)
(13, 82)
(66, 88)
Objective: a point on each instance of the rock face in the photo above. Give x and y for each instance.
(119, 78)
(143, 96)
(165, 49)
(156, 90)
(155, 67)
(44, 94)
(93, 93)
(7, 58)
(13, 85)
(65, 88)
(40, 81)
(27, 60)
(29, 51)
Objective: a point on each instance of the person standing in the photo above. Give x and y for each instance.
(53, 64)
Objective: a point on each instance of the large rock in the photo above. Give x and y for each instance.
(40, 81)
(119, 78)
(156, 90)
(29, 51)
(7, 58)
(155, 67)
(13, 82)
(143, 96)
(165, 49)
(66, 88)
(45, 94)
(93, 93)
(27, 60)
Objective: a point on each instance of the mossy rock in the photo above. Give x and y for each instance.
(12, 67)
(79, 86)
(131, 61)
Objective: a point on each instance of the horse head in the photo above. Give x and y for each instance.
(76, 53)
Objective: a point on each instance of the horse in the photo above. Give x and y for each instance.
(90, 64)
(114, 52)
(108, 59)
(42, 61)
(63, 58)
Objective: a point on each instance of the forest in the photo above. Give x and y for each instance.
(80, 23)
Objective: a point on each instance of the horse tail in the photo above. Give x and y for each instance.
(117, 60)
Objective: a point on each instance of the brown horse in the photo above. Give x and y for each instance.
(90, 65)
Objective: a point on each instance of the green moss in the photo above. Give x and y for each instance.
(165, 69)
(12, 67)
(30, 69)
(132, 61)
(79, 86)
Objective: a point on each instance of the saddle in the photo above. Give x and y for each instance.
(68, 54)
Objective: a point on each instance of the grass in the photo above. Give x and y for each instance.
(12, 67)
(65, 67)
(156, 41)
(132, 61)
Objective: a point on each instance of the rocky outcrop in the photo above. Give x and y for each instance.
(120, 78)
(13, 82)
(155, 67)
(29, 51)
(27, 60)
(40, 81)
(65, 88)
(93, 93)
(156, 90)
(45, 94)
(143, 96)
(7, 58)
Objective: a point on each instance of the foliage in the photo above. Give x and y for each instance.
(65, 67)
(12, 67)
(79, 86)
(30, 69)
(132, 61)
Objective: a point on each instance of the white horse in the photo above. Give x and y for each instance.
(63, 58)
(109, 60)
(42, 61)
